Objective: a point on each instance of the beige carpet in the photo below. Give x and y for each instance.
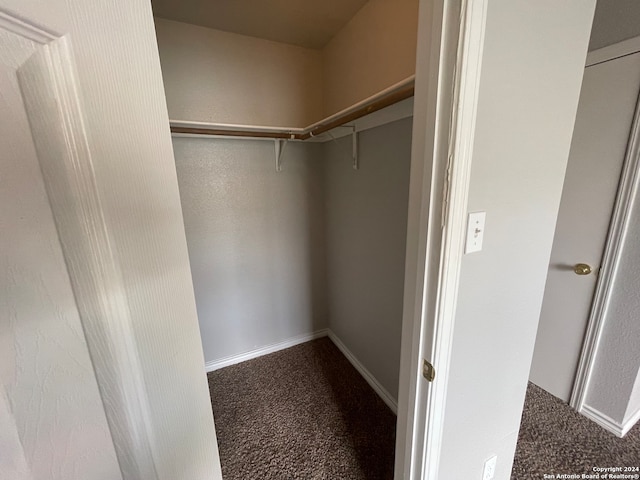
(301, 413)
(556, 440)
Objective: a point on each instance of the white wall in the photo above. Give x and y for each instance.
(376, 49)
(618, 356)
(256, 241)
(53, 424)
(221, 77)
(126, 121)
(531, 74)
(366, 237)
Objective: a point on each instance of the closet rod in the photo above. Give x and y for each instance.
(385, 99)
(378, 104)
(235, 133)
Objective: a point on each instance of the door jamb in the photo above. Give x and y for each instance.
(444, 125)
(612, 256)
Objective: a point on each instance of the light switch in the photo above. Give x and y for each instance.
(475, 232)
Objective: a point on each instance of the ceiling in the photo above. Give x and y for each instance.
(614, 21)
(307, 23)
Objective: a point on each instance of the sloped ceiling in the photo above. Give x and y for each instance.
(614, 21)
(307, 23)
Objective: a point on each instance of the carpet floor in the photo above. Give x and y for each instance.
(306, 413)
(554, 439)
(301, 413)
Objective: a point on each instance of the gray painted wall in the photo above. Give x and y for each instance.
(531, 75)
(366, 237)
(614, 21)
(256, 241)
(263, 268)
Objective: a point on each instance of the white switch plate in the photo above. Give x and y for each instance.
(490, 468)
(475, 232)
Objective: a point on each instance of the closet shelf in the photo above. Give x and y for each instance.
(390, 96)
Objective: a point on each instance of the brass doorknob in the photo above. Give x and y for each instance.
(582, 269)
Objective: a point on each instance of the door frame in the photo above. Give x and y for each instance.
(612, 255)
(450, 47)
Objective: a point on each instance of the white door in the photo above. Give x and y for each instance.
(605, 113)
(52, 421)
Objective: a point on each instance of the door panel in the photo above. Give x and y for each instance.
(605, 112)
(50, 406)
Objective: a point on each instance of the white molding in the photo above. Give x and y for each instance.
(450, 46)
(267, 349)
(627, 191)
(603, 420)
(366, 374)
(50, 93)
(617, 50)
(630, 422)
(25, 29)
(470, 49)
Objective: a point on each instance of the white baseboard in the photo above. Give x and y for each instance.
(603, 420)
(371, 380)
(258, 352)
(274, 347)
(630, 423)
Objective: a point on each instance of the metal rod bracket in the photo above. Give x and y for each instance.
(279, 145)
(354, 148)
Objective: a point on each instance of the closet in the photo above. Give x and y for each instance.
(291, 126)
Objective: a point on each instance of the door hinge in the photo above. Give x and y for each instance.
(428, 371)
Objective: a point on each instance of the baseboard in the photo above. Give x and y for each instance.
(371, 380)
(258, 352)
(603, 420)
(630, 423)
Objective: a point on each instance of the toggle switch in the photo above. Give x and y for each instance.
(475, 232)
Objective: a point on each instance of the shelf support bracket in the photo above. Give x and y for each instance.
(280, 145)
(354, 148)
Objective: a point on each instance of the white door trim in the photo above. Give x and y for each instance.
(49, 89)
(611, 52)
(627, 190)
(444, 125)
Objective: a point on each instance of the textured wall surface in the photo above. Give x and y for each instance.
(48, 394)
(376, 49)
(215, 76)
(531, 74)
(366, 237)
(256, 241)
(126, 120)
(221, 77)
